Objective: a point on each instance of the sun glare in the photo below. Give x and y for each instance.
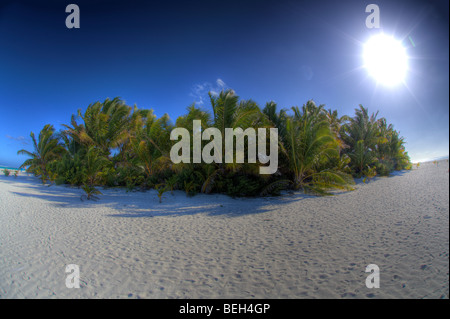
(385, 59)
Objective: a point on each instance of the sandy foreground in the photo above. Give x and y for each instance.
(128, 245)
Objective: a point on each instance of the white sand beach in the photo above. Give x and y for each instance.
(128, 245)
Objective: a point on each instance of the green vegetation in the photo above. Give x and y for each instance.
(112, 144)
(47, 150)
(91, 192)
(161, 189)
(7, 172)
(373, 143)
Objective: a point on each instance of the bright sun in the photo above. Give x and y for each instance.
(385, 59)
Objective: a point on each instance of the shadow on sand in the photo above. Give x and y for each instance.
(360, 181)
(136, 204)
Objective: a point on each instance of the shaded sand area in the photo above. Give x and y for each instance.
(128, 245)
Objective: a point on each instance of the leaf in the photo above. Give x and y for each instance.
(275, 186)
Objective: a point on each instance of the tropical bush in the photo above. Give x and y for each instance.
(91, 192)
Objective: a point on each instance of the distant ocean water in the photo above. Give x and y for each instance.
(9, 167)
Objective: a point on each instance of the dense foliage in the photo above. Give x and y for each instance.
(112, 144)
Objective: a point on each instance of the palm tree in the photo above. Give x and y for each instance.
(194, 113)
(361, 134)
(105, 125)
(309, 143)
(94, 164)
(335, 122)
(229, 112)
(390, 150)
(46, 150)
(186, 121)
(150, 143)
(277, 120)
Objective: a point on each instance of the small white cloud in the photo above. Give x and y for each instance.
(22, 140)
(200, 91)
(220, 83)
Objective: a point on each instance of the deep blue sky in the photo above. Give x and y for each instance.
(165, 55)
